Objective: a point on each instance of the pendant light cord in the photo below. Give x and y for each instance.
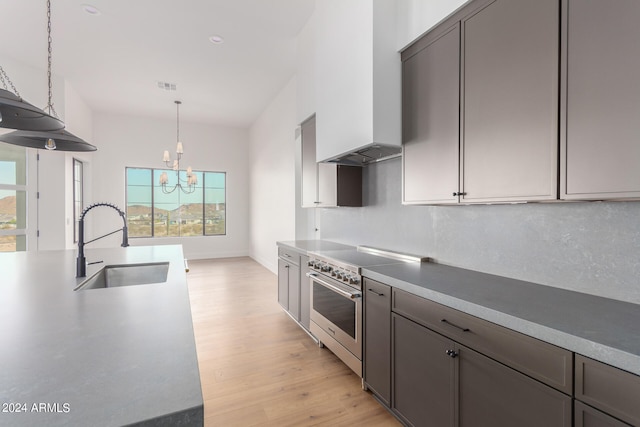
(4, 78)
(49, 40)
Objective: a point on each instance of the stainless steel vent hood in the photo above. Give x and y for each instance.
(368, 154)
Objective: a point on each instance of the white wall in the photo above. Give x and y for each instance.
(139, 142)
(415, 17)
(78, 121)
(272, 169)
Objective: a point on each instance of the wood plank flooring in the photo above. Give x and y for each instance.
(257, 366)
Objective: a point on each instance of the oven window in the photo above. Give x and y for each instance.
(335, 308)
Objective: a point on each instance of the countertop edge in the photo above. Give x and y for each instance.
(594, 350)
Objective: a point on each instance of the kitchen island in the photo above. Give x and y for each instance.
(109, 357)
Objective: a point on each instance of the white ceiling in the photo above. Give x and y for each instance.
(114, 60)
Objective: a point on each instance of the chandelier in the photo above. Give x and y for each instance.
(187, 186)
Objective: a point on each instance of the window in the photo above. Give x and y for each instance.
(13, 198)
(78, 199)
(152, 213)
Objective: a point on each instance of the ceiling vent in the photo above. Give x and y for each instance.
(170, 87)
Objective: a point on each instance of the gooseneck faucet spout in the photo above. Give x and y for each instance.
(81, 261)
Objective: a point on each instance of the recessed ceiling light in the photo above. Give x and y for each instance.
(216, 39)
(90, 9)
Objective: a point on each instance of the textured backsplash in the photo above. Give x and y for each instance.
(591, 247)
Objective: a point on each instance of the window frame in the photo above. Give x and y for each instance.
(17, 188)
(76, 214)
(154, 186)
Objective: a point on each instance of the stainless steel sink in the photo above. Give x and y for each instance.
(112, 276)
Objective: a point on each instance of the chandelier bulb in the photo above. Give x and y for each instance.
(50, 144)
(179, 149)
(166, 156)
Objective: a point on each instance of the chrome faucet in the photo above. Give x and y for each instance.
(81, 262)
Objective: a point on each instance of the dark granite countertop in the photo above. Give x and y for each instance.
(106, 357)
(603, 329)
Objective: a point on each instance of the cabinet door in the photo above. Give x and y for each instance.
(294, 291)
(423, 375)
(491, 394)
(309, 167)
(377, 338)
(510, 101)
(305, 293)
(283, 283)
(430, 112)
(601, 146)
(327, 185)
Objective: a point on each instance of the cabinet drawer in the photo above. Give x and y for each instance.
(609, 389)
(545, 362)
(586, 416)
(290, 255)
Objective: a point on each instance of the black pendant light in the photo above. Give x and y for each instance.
(16, 113)
(59, 139)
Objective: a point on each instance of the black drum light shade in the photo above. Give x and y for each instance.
(62, 140)
(16, 113)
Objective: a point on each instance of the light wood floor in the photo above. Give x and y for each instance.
(257, 366)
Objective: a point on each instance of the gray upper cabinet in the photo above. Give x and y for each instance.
(430, 134)
(510, 102)
(309, 181)
(480, 106)
(600, 137)
(326, 184)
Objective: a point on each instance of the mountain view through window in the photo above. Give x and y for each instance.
(151, 212)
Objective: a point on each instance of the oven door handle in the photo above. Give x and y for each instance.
(347, 294)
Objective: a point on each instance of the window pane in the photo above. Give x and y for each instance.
(173, 212)
(13, 210)
(13, 165)
(215, 203)
(13, 243)
(139, 202)
(78, 198)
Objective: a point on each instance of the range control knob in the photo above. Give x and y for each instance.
(354, 280)
(326, 268)
(310, 264)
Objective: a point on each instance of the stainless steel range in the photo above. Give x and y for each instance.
(336, 297)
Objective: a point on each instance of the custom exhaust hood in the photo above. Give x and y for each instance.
(371, 153)
(358, 82)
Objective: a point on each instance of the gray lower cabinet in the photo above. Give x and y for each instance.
(586, 416)
(436, 366)
(289, 282)
(423, 375)
(377, 338)
(437, 382)
(492, 394)
(599, 140)
(611, 390)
